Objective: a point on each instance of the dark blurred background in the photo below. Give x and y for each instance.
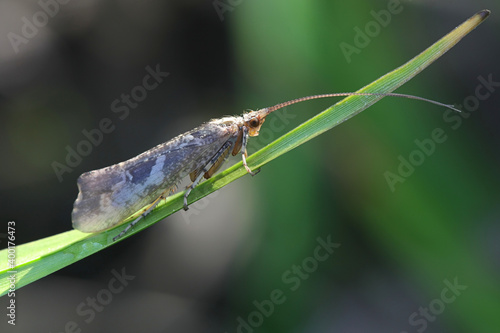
(422, 256)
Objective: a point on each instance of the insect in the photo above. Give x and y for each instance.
(109, 196)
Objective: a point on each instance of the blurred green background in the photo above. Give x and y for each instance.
(218, 267)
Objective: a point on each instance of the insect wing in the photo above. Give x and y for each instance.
(110, 195)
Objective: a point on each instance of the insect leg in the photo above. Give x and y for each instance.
(192, 186)
(146, 211)
(229, 143)
(244, 152)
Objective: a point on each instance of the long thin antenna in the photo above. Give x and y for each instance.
(293, 101)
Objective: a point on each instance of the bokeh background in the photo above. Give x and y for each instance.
(205, 270)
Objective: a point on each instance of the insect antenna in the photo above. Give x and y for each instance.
(306, 98)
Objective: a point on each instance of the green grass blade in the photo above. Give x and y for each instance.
(42, 257)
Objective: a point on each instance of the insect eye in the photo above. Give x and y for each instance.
(253, 122)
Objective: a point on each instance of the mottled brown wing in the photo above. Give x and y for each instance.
(110, 195)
